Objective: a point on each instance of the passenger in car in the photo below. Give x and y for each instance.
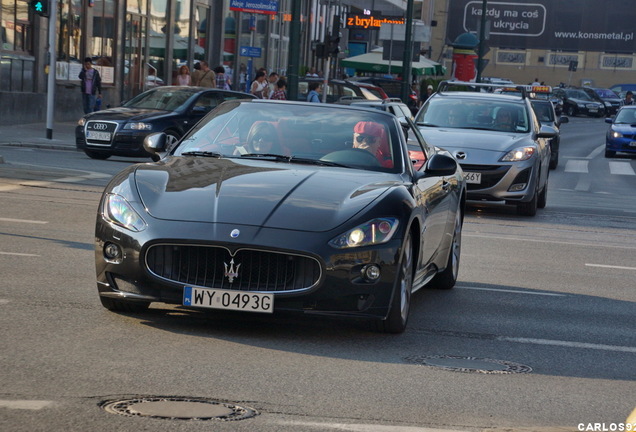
(263, 138)
(504, 121)
(370, 136)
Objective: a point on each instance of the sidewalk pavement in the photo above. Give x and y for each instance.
(34, 135)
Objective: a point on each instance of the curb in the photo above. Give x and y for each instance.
(41, 146)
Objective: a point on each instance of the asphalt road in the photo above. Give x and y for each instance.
(541, 323)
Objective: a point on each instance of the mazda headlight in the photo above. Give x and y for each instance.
(140, 126)
(376, 231)
(118, 211)
(519, 154)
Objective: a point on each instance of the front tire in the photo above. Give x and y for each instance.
(542, 200)
(446, 279)
(398, 315)
(610, 153)
(172, 138)
(529, 208)
(570, 111)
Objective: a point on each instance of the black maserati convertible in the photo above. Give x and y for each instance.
(270, 206)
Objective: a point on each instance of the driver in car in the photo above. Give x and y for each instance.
(370, 136)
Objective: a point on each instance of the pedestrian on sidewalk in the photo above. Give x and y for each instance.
(91, 85)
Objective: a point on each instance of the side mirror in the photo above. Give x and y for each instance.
(610, 120)
(440, 165)
(564, 119)
(547, 132)
(154, 144)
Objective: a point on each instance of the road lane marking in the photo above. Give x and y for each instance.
(549, 241)
(577, 166)
(610, 266)
(621, 168)
(510, 291)
(358, 427)
(19, 254)
(597, 151)
(568, 344)
(26, 404)
(23, 221)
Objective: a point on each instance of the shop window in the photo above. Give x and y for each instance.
(15, 27)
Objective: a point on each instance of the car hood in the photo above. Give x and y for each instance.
(583, 101)
(461, 139)
(257, 193)
(127, 114)
(624, 128)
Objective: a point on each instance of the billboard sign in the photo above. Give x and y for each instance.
(569, 25)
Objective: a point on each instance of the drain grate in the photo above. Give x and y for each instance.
(178, 408)
(470, 364)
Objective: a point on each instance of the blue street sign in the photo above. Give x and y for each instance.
(248, 51)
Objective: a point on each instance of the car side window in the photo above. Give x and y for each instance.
(207, 101)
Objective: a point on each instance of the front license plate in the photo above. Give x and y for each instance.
(632, 144)
(228, 299)
(99, 136)
(593, 110)
(472, 177)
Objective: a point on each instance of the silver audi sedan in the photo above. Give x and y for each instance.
(502, 148)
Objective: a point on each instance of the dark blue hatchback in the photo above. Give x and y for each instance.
(621, 135)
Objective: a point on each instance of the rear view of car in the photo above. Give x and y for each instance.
(621, 135)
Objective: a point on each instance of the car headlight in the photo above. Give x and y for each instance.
(138, 126)
(616, 134)
(519, 154)
(376, 231)
(81, 122)
(608, 104)
(581, 105)
(119, 212)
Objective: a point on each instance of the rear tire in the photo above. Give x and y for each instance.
(96, 155)
(398, 315)
(123, 306)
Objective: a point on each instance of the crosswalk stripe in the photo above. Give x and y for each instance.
(578, 166)
(621, 168)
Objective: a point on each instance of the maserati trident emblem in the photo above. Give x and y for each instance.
(460, 155)
(231, 272)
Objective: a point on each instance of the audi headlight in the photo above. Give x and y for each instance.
(118, 211)
(519, 154)
(376, 231)
(138, 126)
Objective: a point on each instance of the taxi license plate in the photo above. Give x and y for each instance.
(100, 136)
(228, 299)
(472, 177)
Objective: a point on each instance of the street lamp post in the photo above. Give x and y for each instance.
(482, 35)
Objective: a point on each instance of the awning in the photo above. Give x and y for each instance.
(372, 62)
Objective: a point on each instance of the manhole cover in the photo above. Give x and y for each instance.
(470, 364)
(178, 408)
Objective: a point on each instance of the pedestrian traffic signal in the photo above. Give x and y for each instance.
(40, 7)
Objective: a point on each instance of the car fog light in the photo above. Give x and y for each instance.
(371, 272)
(517, 187)
(112, 252)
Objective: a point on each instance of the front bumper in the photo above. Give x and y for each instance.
(340, 289)
(123, 143)
(509, 182)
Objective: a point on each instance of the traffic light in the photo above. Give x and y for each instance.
(40, 7)
(333, 46)
(320, 50)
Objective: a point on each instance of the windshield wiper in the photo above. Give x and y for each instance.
(278, 157)
(202, 153)
(427, 124)
(317, 162)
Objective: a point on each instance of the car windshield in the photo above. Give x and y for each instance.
(543, 111)
(460, 113)
(606, 93)
(579, 94)
(626, 116)
(317, 134)
(160, 98)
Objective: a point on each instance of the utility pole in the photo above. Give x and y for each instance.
(408, 53)
(482, 35)
(294, 51)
